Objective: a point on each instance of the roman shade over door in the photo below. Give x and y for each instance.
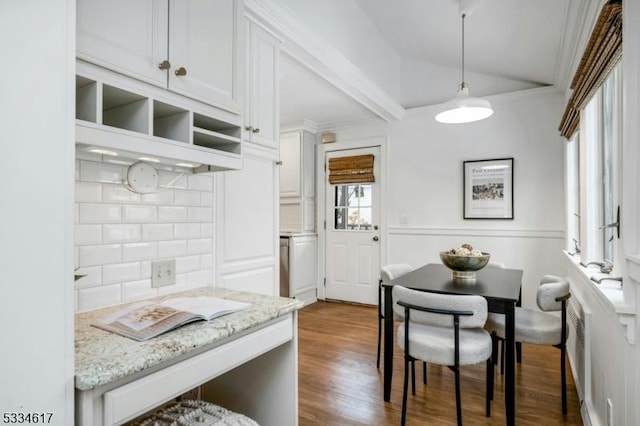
(602, 53)
(353, 169)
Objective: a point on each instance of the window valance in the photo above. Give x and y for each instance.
(602, 53)
(354, 169)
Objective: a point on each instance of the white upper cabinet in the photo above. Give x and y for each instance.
(262, 119)
(191, 47)
(291, 160)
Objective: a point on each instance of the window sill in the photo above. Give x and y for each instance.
(609, 294)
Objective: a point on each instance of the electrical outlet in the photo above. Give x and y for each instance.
(163, 273)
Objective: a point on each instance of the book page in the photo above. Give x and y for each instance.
(207, 307)
(146, 316)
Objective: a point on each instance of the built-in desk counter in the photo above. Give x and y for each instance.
(242, 360)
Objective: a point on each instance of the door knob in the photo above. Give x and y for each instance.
(256, 130)
(164, 65)
(375, 238)
(181, 71)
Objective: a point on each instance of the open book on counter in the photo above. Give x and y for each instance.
(144, 320)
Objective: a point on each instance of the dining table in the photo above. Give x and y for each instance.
(501, 287)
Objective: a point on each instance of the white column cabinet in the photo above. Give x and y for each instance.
(262, 118)
(247, 224)
(190, 47)
(297, 182)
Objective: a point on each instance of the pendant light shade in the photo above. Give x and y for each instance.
(464, 108)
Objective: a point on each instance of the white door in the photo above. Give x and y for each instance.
(352, 235)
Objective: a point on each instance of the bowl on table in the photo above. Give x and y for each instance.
(464, 267)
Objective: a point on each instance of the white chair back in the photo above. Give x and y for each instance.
(392, 271)
(548, 293)
(475, 304)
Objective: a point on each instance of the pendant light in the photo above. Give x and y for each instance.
(464, 108)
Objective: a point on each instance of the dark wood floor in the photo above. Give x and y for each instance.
(339, 383)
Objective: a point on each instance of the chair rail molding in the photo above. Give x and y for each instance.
(318, 55)
(478, 232)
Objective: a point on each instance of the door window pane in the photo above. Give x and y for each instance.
(357, 198)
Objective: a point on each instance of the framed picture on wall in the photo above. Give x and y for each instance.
(488, 189)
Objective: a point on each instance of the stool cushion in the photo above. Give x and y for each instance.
(195, 413)
(436, 344)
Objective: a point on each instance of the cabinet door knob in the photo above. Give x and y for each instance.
(256, 130)
(278, 163)
(164, 65)
(376, 238)
(181, 71)
(248, 128)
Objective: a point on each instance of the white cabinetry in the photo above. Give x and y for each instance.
(190, 47)
(131, 118)
(262, 108)
(303, 261)
(297, 182)
(247, 230)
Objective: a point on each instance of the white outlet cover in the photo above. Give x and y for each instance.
(143, 178)
(163, 273)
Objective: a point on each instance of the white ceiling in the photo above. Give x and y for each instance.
(510, 45)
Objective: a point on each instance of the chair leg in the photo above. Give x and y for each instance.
(458, 402)
(379, 338)
(489, 396)
(424, 372)
(502, 343)
(404, 390)
(413, 377)
(494, 348)
(563, 373)
(519, 352)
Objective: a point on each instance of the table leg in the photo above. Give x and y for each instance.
(510, 368)
(388, 342)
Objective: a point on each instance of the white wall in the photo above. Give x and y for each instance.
(37, 40)
(424, 186)
(118, 233)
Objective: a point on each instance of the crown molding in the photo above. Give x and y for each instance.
(309, 49)
(306, 125)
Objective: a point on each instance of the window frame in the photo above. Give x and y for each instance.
(586, 152)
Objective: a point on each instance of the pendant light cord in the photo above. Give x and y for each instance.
(463, 16)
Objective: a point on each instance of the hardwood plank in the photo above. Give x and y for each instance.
(339, 383)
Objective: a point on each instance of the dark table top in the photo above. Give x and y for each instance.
(498, 284)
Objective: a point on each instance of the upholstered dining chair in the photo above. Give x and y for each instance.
(443, 329)
(387, 273)
(539, 327)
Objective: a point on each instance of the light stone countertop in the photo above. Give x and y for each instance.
(102, 357)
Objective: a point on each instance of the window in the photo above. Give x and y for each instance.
(593, 160)
(352, 207)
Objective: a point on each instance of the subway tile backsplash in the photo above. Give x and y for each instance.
(119, 233)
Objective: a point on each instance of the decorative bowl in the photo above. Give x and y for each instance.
(464, 267)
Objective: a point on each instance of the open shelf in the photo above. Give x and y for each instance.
(215, 140)
(86, 99)
(170, 122)
(125, 110)
(132, 118)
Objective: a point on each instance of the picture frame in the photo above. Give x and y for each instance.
(488, 189)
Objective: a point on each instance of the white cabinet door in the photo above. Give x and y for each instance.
(290, 156)
(203, 50)
(129, 37)
(199, 39)
(262, 118)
